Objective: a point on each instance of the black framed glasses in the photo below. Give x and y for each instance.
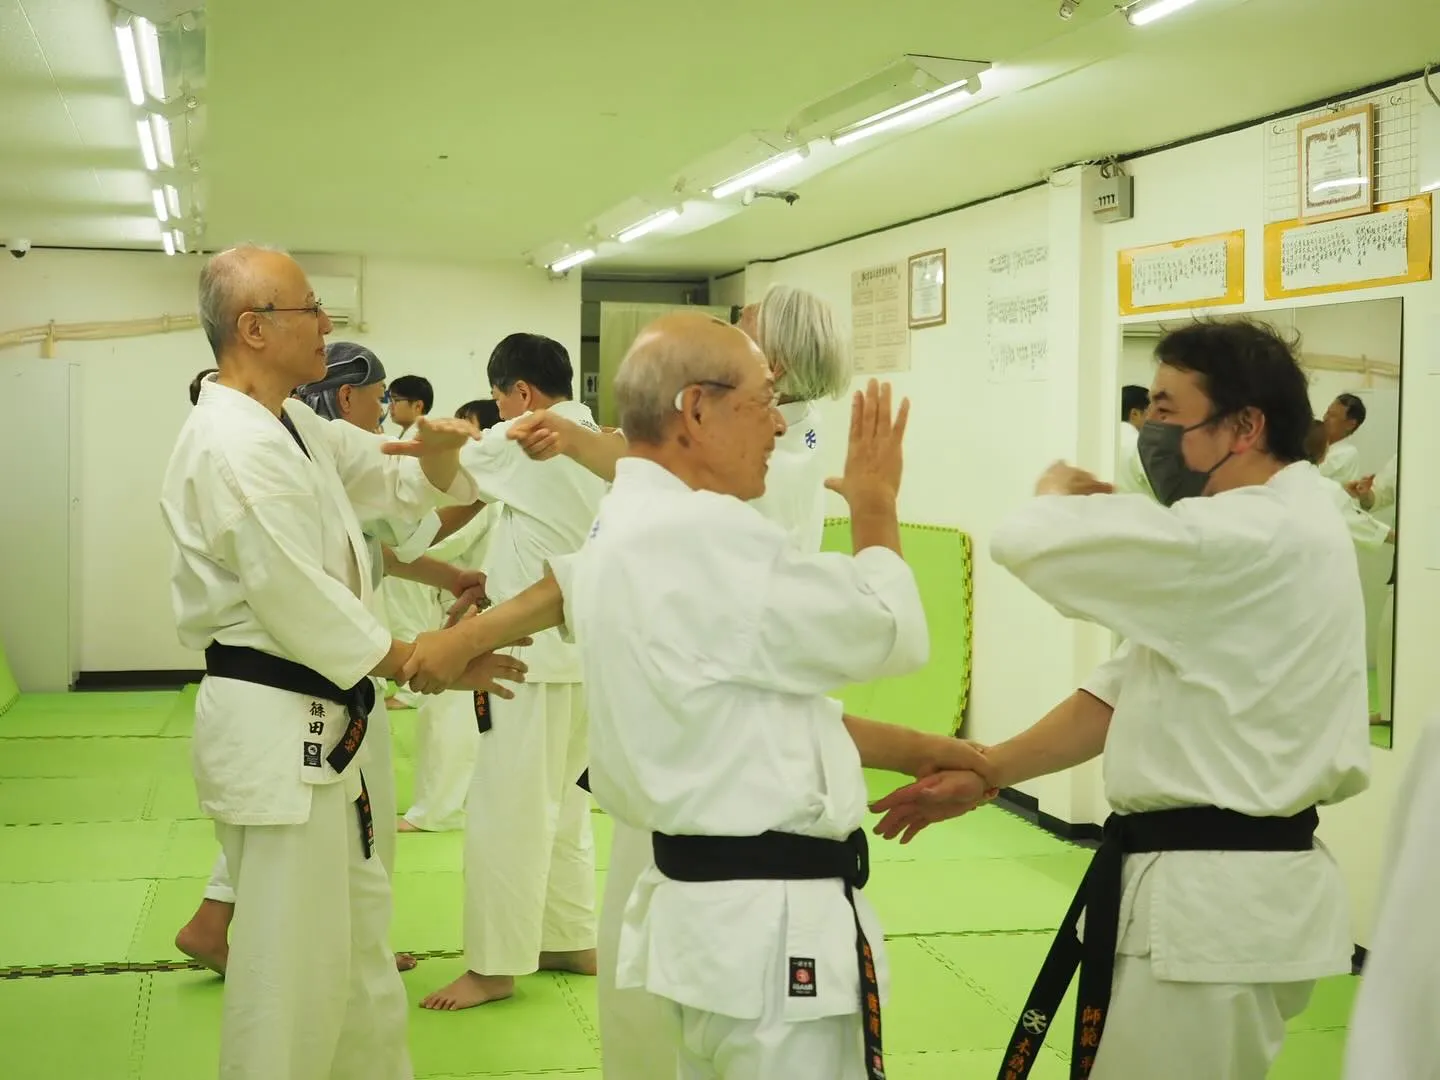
(270, 309)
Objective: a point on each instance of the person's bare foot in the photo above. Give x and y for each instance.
(577, 963)
(404, 825)
(205, 937)
(393, 703)
(470, 990)
(1376, 720)
(405, 962)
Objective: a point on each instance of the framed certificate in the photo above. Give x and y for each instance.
(1337, 164)
(927, 290)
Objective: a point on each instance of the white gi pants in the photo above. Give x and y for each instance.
(639, 1032)
(379, 782)
(1192, 1031)
(311, 990)
(1385, 657)
(715, 1047)
(529, 855)
(446, 740)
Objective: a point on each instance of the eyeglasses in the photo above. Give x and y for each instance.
(316, 309)
(706, 383)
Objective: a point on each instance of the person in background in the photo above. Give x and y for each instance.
(1342, 419)
(1379, 493)
(411, 397)
(1236, 706)
(529, 856)
(271, 579)
(446, 725)
(1129, 472)
(197, 381)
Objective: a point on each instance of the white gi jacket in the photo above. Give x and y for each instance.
(269, 554)
(1241, 685)
(1365, 530)
(1342, 463)
(795, 484)
(548, 509)
(708, 647)
(1385, 484)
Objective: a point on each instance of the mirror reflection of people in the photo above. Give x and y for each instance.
(1130, 476)
(1375, 493)
(411, 397)
(1235, 707)
(1342, 419)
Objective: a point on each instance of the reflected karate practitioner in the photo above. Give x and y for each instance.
(709, 645)
(1236, 706)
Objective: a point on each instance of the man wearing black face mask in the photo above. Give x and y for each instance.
(1237, 704)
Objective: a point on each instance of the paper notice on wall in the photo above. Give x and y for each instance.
(879, 320)
(1017, 314)
(1374, 247)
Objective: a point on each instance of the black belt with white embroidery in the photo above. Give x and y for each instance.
(244, 664)
(775, 856)
(1193, 828)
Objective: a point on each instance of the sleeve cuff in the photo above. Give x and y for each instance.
(1105, 681)
(463, 491)
(418, 542)
(381, 641)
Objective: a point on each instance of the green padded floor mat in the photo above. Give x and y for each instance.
(103, 856)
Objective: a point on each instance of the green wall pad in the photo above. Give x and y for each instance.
(937, 697)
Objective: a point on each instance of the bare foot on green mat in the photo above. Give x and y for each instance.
(577, 963)
(470, 990)
(403, 825)
(206, 936)
(405, 962)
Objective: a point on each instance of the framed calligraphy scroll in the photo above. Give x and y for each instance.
(1206, 271)
(1389, 247)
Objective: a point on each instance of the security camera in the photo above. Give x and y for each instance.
(1068, 8)
(18, 248)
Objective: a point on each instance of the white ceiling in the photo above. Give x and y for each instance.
(464, 130)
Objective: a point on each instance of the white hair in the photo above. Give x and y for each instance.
(654, 371)
(226, 286)
(796, 331)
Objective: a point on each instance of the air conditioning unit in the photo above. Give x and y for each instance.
(341, 297)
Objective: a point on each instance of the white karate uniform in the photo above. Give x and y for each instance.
(639, 1031)
(446, 737)
(1365, 529)
(1392, 1029)
(1342, 462)
(1385, 490)
(1130, 478)
(529, 857)
(270, 555)
(708, 648)
(1241, 685)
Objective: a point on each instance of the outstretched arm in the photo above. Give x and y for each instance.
(543, 435)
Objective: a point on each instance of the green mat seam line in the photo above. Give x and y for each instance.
(141, 1027)
(592, 1034)
(145, 907)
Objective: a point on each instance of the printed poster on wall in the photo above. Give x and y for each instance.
(1017, 314)
(880, 319)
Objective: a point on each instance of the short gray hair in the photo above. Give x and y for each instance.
(796, 331)
(226, 286)
(656, 369)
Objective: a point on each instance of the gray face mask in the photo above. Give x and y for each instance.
(1164, 462)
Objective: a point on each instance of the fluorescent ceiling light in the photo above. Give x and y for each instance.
(169, 242)
(1434, 185)
(927, 105)
(148, 46)
(751, 177)
(147, 144)
(130, 63)
(163, 147)
(180, 241)
(1143, 14)
(1343, 182)
(172, 200)
(575, 258)
(649, 225)
(158, 198)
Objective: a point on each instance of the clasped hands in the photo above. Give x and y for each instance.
(460, 658)
(954, 780)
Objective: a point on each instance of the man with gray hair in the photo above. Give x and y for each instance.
(709, 647)
(272, 580)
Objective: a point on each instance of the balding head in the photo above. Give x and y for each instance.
(243, 278)
(696, 395)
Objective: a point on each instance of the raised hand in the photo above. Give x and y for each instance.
(938, 797)
(874, 461)
(1063, 479)
(438, 436)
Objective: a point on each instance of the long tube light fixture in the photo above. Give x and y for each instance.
(130, 63)
(1432, 186)
(567, 262)
(180, 244)
(907, 113)
(147, 42)
(764, 171)
(169, 242)
(147, 144)
(649, 225)
(161, 210)
(164, 150)
(1148, 11)
(172, 200)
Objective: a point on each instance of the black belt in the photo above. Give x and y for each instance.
(245, 664)
(485, 722)
(775, 856)
(1199, 828)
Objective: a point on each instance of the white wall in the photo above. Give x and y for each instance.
(975, 448)
(438, 321)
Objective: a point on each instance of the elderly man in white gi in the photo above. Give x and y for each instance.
(1236, 706)
(709, 645)
(272, 579)
(796, 331)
